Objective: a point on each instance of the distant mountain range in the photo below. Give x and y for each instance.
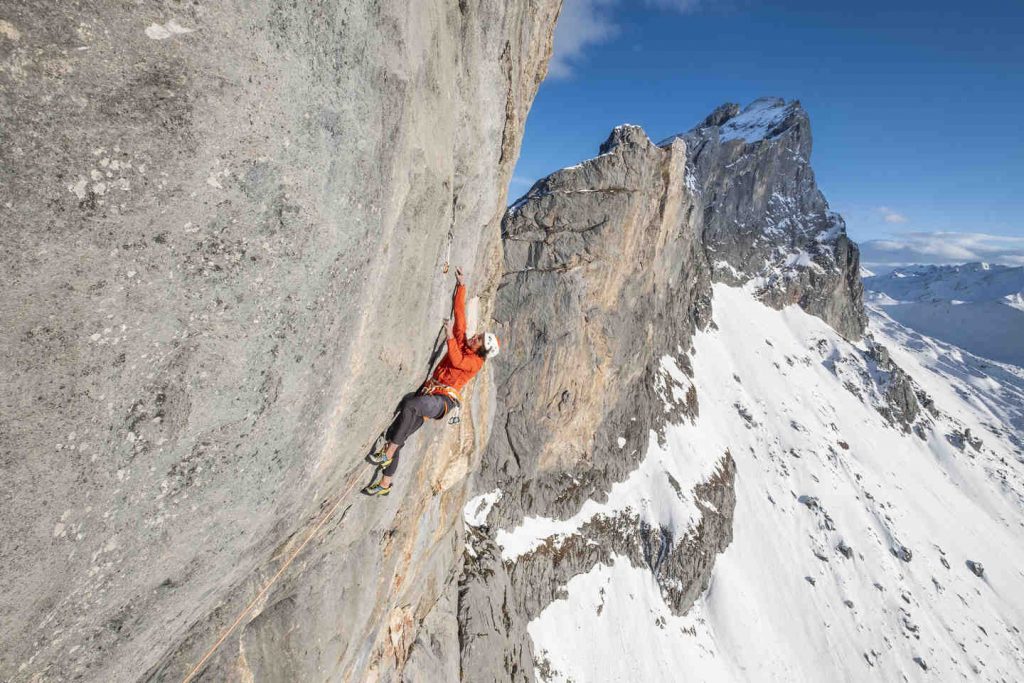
(976, 306)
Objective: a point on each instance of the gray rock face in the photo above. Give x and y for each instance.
(764, 218)
(224, 231)
(902, 406)
(604, 275)
(223, 272)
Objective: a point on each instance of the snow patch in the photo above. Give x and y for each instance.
(592, 634)
(688, 457)
(477, 509)
(756, 121)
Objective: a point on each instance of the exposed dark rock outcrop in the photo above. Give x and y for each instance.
(764, 217)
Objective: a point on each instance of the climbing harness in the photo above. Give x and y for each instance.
(434, 388)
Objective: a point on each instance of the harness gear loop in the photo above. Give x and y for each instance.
(434, 388)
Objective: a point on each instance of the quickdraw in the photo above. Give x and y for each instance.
(448, 252)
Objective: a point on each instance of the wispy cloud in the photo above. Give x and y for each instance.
(891, 216)
(586, 23)
(943, 247)
(582, 23)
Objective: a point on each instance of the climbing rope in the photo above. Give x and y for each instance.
(266, 587)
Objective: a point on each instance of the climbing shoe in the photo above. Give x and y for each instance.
(380, 458)
(376, 490)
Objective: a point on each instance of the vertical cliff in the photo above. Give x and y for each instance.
(225, 226)
(605, 283)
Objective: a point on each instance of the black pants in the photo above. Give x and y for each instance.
(410, 418)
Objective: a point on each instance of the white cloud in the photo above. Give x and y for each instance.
(585, 23)
(581, 24)
(890, 216)
(943, 247)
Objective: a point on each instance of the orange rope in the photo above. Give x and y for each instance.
(263, 591)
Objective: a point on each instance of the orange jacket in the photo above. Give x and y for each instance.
(459, 364)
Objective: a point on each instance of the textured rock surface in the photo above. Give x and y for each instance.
(214, 216)
(604, 275)
(764, 217)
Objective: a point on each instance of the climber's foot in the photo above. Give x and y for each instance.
(376, 490)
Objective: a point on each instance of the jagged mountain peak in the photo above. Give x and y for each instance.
(766, 223)
(764, 220)
(626, 133)
(765, 118)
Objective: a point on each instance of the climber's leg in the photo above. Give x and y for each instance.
(414, 412)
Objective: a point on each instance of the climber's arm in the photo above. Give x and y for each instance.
(459, 307)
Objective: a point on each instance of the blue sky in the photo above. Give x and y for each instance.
(917, 108)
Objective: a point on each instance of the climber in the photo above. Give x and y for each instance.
(439, 394)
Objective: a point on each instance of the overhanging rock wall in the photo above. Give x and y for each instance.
(224, 226)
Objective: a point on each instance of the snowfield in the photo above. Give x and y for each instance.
(854, 539)
(977, 306)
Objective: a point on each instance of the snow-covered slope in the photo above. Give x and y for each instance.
(976, 306)
(854, 538)
(967, 282)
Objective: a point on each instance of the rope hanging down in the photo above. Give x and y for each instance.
(266, 587)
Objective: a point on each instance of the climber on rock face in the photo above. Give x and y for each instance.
(440, 393)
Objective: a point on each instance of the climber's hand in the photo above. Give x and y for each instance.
(460, 279)
(449, 324)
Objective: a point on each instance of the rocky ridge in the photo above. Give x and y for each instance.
(630, 425)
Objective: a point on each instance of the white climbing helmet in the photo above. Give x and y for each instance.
(491, 345)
